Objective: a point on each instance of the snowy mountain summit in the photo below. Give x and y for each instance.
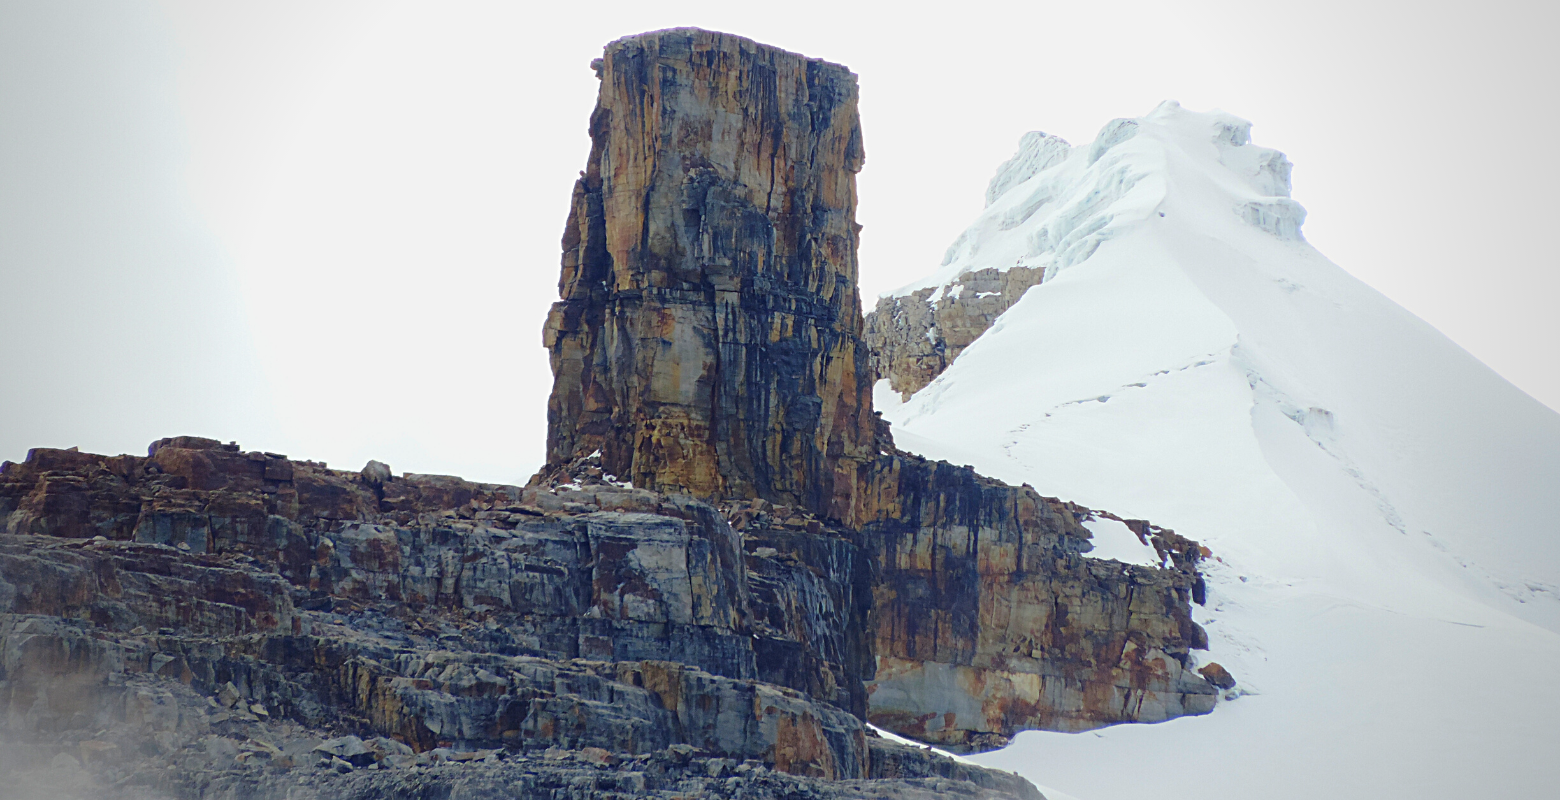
(1139, 324)
(1052, 205)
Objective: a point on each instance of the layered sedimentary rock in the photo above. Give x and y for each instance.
(707, 340)
(990, 618)
(912, 338)
(198, 620)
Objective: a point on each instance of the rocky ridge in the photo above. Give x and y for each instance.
(164, 619)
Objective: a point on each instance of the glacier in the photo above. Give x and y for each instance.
(1382, 508)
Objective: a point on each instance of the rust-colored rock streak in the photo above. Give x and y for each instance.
(708, 336)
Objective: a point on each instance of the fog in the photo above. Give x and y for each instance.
(330, 229)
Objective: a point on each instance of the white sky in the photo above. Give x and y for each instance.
(331, 229)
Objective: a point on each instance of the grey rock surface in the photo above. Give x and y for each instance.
(328, 631)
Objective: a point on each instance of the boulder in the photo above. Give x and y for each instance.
(1217, 675)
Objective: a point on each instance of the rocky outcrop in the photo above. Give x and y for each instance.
(240, 597)
(991, 618)
(914, 337)
(708, 336)
(709, 341)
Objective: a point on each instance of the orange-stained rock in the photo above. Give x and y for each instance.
(709, 344)
(1217, 675)
(708, 336)
(990, 618)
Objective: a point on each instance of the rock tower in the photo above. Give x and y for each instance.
(708, 339)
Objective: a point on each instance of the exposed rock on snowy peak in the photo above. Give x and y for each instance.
(914, 338)
(1050, 207)
(709, 341)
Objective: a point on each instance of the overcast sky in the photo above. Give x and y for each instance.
(331, 229)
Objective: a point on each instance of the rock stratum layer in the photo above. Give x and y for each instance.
(709, 340)
(989, 619)
(198, 621)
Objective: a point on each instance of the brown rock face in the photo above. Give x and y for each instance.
(208, 615)
(1217, 675)
(913, 338)
(708, 336)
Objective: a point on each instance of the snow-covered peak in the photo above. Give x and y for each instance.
(1051, 205)
(1381, 508)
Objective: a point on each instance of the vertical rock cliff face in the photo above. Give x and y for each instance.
(709, 342)
(990, 618)
(708, 336)
(209, 622)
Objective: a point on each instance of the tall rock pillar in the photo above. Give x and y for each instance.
(708, 339)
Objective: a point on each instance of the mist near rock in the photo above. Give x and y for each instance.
(29, 771)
